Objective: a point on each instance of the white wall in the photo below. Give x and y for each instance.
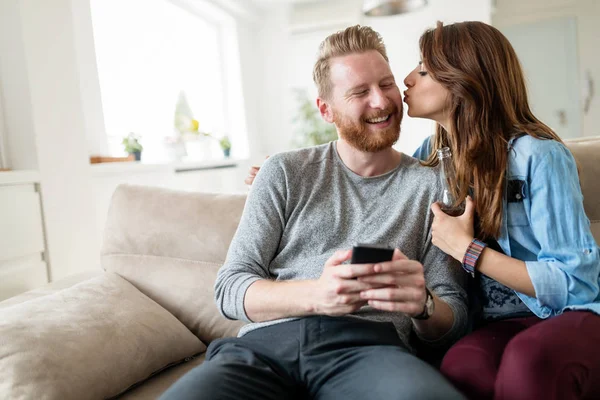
(45, 124)
(3, 150)
(271, 47)
(91, 101)
(20, 151)
(587, 14)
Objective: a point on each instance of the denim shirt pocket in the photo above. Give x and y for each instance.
(516, 193)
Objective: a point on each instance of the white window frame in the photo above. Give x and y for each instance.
(224, 19)
(225, 23)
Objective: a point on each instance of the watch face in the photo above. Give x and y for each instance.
(429, 307)
(430, 304)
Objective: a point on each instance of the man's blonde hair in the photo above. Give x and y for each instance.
(352, 40)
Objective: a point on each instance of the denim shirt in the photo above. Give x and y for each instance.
(545, 226)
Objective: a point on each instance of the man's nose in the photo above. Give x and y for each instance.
(378, 99)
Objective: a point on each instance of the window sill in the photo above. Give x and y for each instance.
(19, 177)
(139, 167)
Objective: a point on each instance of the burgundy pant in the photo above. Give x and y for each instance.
(529, 358)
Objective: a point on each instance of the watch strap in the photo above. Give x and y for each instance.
(425, 313)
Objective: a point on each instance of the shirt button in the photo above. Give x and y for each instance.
(518, 196)
(587, 251)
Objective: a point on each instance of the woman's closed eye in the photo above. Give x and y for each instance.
(422, 71)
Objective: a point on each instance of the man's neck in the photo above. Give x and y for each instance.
(368, 164)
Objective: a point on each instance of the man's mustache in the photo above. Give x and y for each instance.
(392, 109)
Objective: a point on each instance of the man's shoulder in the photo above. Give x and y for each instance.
(413, 168)
(298, 158)
(418, 181)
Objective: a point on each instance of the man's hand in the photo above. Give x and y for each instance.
(402, 286)
(453, 235)
(337, 291)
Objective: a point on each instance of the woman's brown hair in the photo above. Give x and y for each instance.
(488, 105)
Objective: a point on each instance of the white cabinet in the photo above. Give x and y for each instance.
(22, 245)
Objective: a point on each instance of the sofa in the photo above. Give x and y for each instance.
(131, 330)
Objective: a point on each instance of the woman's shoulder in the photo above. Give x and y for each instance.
(528, 151)
(536, 146)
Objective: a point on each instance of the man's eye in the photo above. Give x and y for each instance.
(361, 93)
(388, 85)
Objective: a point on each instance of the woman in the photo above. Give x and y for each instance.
(524, 236)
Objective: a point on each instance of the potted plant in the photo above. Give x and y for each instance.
(310, 129)
(132, 145)
(225, 144)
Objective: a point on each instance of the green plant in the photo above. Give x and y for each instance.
(225, 143)
(132, 144)
(310, 129)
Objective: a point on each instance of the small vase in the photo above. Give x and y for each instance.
(137, 155)
(226, 152)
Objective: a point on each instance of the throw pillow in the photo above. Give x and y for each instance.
(90, 341)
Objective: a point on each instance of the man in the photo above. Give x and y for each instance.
(320, 327)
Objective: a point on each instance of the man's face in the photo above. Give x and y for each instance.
(365, 103)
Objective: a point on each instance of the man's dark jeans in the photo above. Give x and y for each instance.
(313, 358)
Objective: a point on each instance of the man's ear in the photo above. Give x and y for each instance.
(325, 110)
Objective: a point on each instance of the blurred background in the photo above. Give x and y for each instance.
(187, 94)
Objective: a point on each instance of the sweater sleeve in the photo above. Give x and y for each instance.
(445, 278)
(256, 240)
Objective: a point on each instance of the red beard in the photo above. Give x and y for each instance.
(357, 135)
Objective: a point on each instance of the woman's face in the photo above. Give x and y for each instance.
(425, 97)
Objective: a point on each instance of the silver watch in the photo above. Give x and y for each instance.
(428, 308)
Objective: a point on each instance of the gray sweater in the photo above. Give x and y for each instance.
(306, 204)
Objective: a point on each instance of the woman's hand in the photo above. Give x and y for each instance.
(252, 174)
(453, 235)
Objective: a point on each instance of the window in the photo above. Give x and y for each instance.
(148, 53)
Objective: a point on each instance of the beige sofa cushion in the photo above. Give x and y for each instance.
(90, 341)
(587, 153)
(171, 248)
(52, 287)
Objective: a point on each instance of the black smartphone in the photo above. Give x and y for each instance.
(370, 254)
